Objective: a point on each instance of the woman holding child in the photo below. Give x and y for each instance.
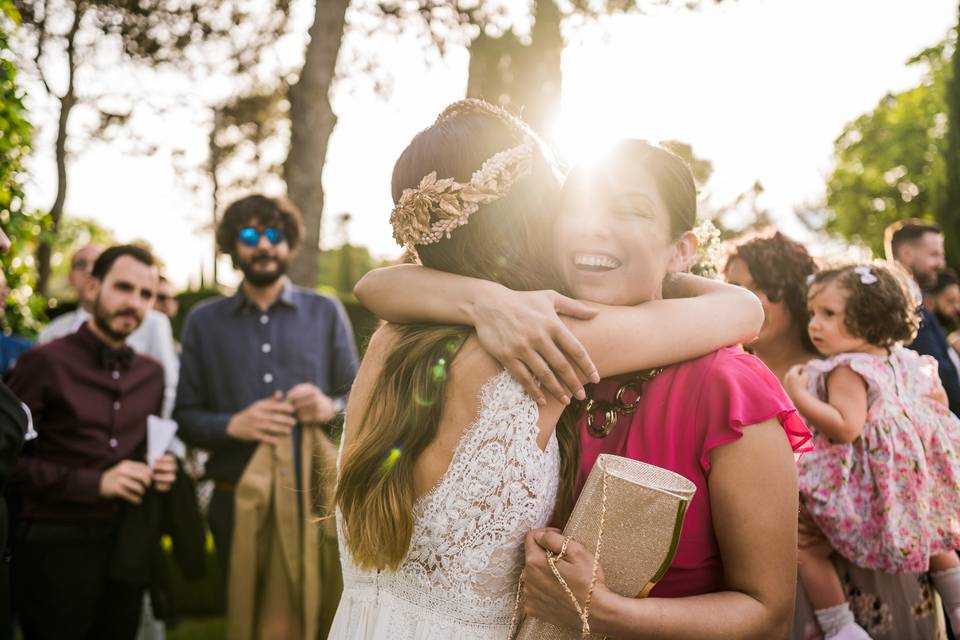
(888, 606)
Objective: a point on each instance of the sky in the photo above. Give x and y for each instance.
(761, 88)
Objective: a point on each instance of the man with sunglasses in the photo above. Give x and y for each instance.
(271, 364)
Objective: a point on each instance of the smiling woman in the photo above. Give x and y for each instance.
(624, 191)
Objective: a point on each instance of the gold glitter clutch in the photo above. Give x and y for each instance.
(636, 511)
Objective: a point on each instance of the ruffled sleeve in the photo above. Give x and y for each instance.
(739, 391)
(862, 364)
(920, 371)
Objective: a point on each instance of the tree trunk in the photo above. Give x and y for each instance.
(67, 102)
(494, 70)
(541, 77)
(949, 211)
(311, 123)
(213, 167)
(522, 78)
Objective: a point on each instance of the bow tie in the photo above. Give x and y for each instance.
(116, 358)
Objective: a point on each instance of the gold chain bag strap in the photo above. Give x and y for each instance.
(629, 517)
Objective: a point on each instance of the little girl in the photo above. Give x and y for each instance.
(883, 482)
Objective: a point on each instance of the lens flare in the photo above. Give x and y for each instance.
(439, 370)
(391, 459)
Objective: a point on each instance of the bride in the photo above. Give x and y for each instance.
(446, 462)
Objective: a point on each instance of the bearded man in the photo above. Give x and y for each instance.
(917, 246)
(90, 396)
(153, 337)
(262, 373)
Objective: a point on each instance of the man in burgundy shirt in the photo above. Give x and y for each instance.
(90, 396)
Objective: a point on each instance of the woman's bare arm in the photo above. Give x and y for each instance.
(664, 332)
(519, 328)
(753, 499)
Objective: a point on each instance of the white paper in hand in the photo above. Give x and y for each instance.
(160, 432)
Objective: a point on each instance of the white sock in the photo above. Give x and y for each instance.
(838, 623)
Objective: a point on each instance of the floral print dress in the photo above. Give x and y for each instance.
(888, 500)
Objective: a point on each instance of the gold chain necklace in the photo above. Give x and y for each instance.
(621, 405)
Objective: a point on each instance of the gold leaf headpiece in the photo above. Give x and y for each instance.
(430, 212)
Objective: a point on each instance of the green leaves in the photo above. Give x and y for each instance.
(890, 161)
(24, 308)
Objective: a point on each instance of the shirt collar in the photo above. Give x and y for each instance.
(89, 340)
(80, 318)
(288, 296)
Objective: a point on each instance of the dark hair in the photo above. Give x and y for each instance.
(780, 267)
(103, 264)
(260, 210)
(945, 278)
(904, 232)
(882, 312)
(506, 241)
(670, 173)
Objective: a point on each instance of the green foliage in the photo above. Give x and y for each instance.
(24, 227)
(701, 168)
(74, 233)
(341, 268)
(187, 300)
(890, 161)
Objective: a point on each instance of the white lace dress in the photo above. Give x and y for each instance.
(460, 575)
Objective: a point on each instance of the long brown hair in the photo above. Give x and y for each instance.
(506, 241)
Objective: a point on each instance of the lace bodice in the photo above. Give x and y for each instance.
(466, 552)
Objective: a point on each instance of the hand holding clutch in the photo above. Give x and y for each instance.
(543, 595)
(621, 536)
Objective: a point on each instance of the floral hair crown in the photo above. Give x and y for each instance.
(437, 206)
(430, 212)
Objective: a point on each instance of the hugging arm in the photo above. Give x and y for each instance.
(753, 499)
(519, 329)
(523, 332)
(663, 332)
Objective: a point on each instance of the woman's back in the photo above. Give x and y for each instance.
(481, 484)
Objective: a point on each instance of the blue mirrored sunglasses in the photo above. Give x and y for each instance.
(250, 236)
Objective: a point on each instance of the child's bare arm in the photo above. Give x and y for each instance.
(841, 419)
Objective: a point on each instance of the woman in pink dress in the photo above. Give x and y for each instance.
(889, 606)
(722, 420)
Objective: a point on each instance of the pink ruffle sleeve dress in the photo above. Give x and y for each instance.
(685, 412)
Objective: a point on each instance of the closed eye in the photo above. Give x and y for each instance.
(636, 212)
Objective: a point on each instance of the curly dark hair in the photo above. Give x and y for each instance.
(260, 210)
(780, 266)
(883, 312)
